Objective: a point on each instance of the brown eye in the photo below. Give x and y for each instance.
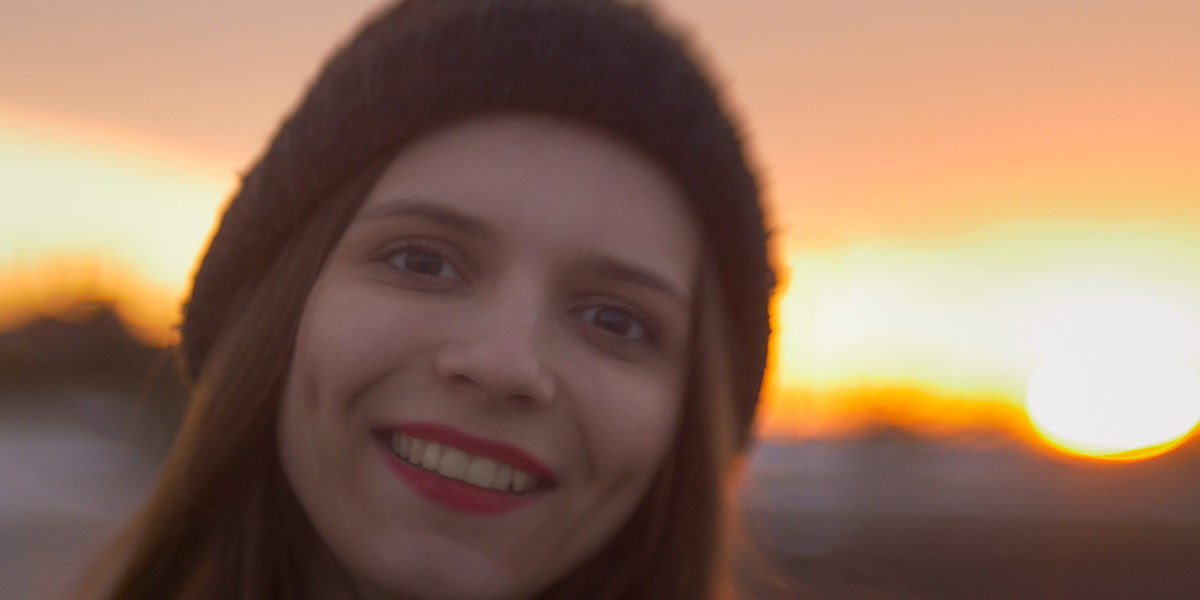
(615, 321)
(424, 262)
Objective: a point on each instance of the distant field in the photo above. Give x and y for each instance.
(74, 464)
(897, 519)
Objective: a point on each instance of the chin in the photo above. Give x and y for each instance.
(432, 569)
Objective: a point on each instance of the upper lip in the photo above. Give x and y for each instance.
(494, 449)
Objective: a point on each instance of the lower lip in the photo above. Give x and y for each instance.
(453, 494)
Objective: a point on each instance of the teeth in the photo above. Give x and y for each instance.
(401, 444)
(520, 481)
(482, 472)
(503, 478)
(455, 464)
(433, 455)
(417, 452)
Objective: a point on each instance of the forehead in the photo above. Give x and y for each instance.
(548, 186)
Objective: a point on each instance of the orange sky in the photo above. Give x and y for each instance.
(944, 176)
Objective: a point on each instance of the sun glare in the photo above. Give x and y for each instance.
(1119, 409)
(91, 214)
(1115, 379)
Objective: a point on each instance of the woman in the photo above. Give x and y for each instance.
(488, 319)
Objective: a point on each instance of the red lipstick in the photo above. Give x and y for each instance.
(458, 495)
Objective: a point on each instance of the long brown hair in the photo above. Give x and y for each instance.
(222, 521)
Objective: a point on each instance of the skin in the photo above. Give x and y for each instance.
(521, 279)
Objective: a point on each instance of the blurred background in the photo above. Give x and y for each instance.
(987, 217)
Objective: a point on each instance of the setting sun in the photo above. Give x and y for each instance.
(1115, 380)
(976, 231)
(1125, 410)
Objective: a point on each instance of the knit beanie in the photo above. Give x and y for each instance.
(421, 64)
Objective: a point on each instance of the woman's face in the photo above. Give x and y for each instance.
(490, 367)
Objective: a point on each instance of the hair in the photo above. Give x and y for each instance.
(222, 521)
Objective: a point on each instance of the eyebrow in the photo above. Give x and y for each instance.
(420, 208)
(616, 270)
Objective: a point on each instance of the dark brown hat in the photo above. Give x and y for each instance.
(422, 64)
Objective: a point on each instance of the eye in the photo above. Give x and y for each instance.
(616, 321)
(424, 262)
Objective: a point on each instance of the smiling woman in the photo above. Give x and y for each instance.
(487, 320)
(470, 346)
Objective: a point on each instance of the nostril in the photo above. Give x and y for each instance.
(460, 379)
(523, 398)
(495, 370)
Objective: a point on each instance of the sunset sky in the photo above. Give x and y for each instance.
(968, 196)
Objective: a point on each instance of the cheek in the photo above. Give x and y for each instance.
(632, 423)
(340, 350)
(350, 337)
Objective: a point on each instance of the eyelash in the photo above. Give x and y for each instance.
(643, 320)
(388, 258)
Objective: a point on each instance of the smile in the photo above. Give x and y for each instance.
(454, 463)
(463, 472)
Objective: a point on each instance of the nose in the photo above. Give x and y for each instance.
(500, 354)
